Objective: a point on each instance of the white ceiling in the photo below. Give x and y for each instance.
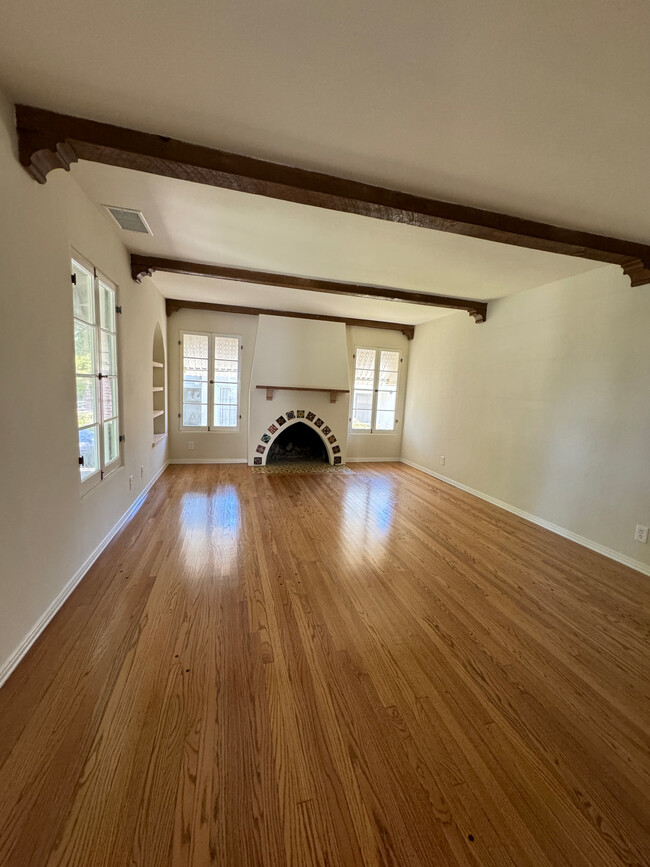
(535, 109)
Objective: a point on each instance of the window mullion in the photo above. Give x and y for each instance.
(211, 383)
(375, 392)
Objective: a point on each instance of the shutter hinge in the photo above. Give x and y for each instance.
(118, 308)
(122, 438)
(81, 461)
(101, 474)
(179, 415)
(73, 279)
(179, 342)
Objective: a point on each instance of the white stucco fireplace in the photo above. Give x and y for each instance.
(300, 376)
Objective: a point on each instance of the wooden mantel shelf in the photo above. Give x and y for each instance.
(333, 392)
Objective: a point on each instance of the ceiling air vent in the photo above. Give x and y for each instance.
(129, 219)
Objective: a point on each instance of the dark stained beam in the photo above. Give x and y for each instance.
(174, 304)
(144, 266)
(47, 140)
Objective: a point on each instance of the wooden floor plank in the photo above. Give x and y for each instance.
(370, 668)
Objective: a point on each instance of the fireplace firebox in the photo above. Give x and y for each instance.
(298, 442)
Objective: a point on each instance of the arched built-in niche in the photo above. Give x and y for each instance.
(159, 416)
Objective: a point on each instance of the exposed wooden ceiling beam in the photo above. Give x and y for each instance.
(143, 266)
(47, 140)
(174, 304)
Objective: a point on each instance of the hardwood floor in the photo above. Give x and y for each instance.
(341, 669)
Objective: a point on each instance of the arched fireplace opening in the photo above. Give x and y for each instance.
(297, 442)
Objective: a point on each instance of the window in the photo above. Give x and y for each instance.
(95, 345)
(374, 399)
(210, 381)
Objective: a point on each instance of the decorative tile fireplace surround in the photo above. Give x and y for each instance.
(308, 417)
(294, 355)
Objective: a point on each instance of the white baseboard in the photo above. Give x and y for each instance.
(208, 461)
(14, 659)
(554, 528)
(373, 460)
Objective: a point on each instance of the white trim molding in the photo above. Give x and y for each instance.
(637, 565)
(10, 664)
(208, 461)
(373, 460)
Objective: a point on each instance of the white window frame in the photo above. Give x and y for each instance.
(105, 469)
(211, 335)
(375, 391)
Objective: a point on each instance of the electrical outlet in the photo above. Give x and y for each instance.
(130, 483)
(190, 445)
(442, 460)
(641, 534)
(141, 471)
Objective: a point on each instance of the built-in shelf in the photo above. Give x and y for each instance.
(333, 392)
(158, 438)
(158, 384)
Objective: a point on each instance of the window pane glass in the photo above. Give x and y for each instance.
(195, 415)
(109, 353)
(225, 416)
(225, 371)
(361, 419)
(109, 397)
(389, 360)
(387, 379)
(195, 346)
(363, 400)
(365, 358)
(111, 441)
(84, 348)
(86, 400)
(106, 307)
(195, 391)
(364, 378)
(225, 394)
(385, 420)
(89, 451)
(82, 293)
(226, 348)
(195, 370)
(386, 400)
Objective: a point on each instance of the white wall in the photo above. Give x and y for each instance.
(362, 446)
(545, 407)
(209, 445)
(47, 530)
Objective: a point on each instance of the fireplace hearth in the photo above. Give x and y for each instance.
(298, 442)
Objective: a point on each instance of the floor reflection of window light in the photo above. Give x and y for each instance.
(368, 511)
(211, 527)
